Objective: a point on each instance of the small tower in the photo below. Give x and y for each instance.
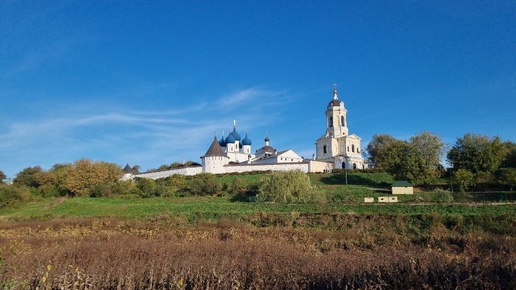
(214, 159)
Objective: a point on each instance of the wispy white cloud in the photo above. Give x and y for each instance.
(146, 137)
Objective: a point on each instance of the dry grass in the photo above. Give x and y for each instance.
(109, 253)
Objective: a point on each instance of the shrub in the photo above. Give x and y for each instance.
(147, 185)
(10, 194)
(205, 184)
(289, 187)
(443, 196)
(238, 186)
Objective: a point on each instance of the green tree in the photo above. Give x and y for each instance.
(483, 179)
(374, 148)
(205, 184)
(507, 176)
(429, 149)
(84, 174)
(400, 159)
(463, 179)
(477, 153)
(510, 157)
(288, 187)
(26, 177)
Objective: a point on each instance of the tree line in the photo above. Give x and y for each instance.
(474, 159)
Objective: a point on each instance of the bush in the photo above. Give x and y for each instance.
(289, 187)
(238, 186)
(205, 184)
(147, 186)
(10, 195)
(442, 196)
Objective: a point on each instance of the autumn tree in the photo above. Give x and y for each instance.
(54, 181)
(136, 169)
(84, 174)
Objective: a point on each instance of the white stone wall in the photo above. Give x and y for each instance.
(191, 170)
(230, 168)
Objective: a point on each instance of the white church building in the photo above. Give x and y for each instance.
(336, 149)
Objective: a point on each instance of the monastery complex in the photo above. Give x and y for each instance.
(336, 149)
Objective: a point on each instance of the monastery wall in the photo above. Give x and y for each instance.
(191, 170)
(230, 168)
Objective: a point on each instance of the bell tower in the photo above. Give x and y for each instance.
(336, 123)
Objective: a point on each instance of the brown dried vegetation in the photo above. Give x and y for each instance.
(365, 252)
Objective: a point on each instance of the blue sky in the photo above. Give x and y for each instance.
(148, 82)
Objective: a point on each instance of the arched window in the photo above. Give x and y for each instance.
(331, 122)
(324, 149)
(342, 121)
(354, 166)
(352, 147)
(343, 165)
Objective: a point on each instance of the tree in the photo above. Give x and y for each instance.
(289, 186)
(2, 176)
(510, 157)
(84, 174)
(463, 179)
(376, 145)
(400, 159)
(429, 148)
(417, 160)
(136, 169)
(477, 153)
(26, 177)
(54, 181)
(507, 176)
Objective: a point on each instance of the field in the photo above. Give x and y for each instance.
(208, 242)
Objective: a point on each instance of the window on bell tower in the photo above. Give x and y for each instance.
(331, 122)
(342, 121)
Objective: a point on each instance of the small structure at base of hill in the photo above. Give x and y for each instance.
(402, 187)
(388, 199)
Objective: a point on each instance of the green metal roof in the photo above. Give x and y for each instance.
(402, 184)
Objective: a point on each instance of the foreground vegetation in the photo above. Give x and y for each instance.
(355, 251)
